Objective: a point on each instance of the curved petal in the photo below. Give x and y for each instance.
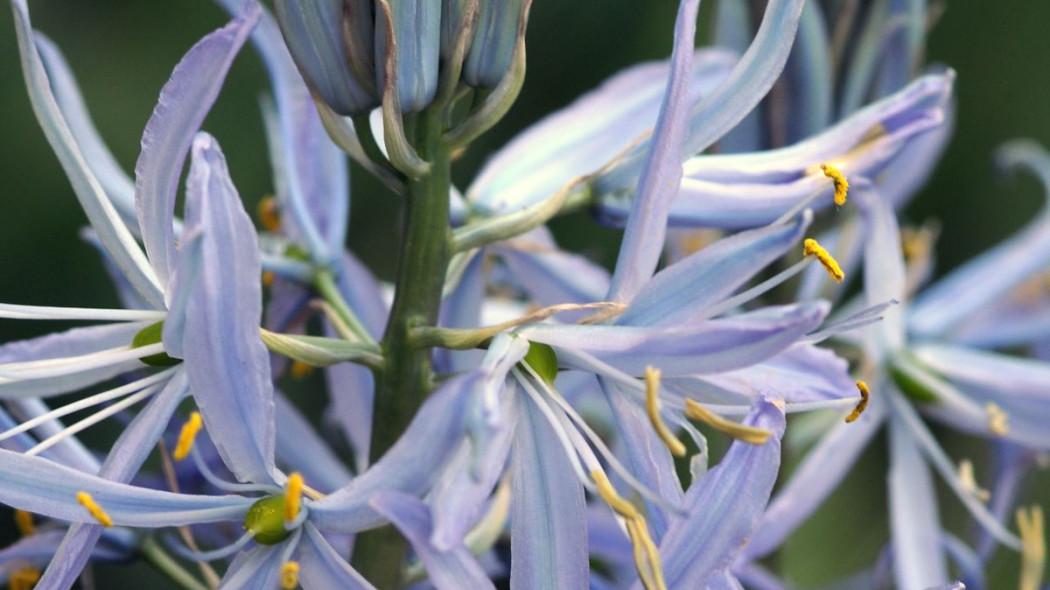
(228, 364)
(184, 102)
(450, 569)
(551, 275)
(321, 568)
(259, 567)
(802, 373)
(302, 450)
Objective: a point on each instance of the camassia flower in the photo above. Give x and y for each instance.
(923, 359)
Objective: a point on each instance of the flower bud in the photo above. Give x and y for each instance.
(495, 35)
(416, 26)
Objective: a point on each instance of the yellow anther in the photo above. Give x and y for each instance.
(96, 511)
(268, 278)
(998, 420)
(1033, 546)
(24, 522)
(187, 435)
(269, 214)
(293, 496)
(289, 575)
(24, 579)
(300, 369)
(608, 493)
(969, 481)
(749, 434)
(839, 179)
(862, 405)
(646, 556)
(652, 408)
(810, 247)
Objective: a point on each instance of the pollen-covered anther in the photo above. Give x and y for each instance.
(862, 405)
(24, 579)
(742, 432)
(646, 555)
(293, 496)
(289, 575)
(840, 182)
(301, 370)
(268, 278)
(810, 247)
(1030, 524)
(24, 522)
(998, 420)
(85, 500)
(269, 214)
(652, 408)
(187, 435)
(969, 481)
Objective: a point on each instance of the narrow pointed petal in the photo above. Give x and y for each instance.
(259, 567)
(820, 473)
(551, 275)
(321, 568)
(410, 466)
(713, 346)
(884, 274)
(302, 450)
(643, 239)
(989, 276)
(683, 291)
(586, 135)
(350, 394)
(363, 294)
(72, 343)
(462, 309)
(918, 554)
(118, 185)
(451, 569)
(125, 459)
(188, 263)
(228, 364)
(184, 102)
(802, 373)
(724, 507)
(43, 487)
(808, 75)
(549, 531)
(114, 235)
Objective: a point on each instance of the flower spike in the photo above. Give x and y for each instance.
(865, 393)
(810, 247)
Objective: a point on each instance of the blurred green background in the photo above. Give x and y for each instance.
(122, 52)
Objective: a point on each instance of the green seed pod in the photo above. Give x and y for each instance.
(543, 360)
(265, 521)
(152, 334)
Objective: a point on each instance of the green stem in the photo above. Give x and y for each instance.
(325, 283)
(158, 558)
(405, 378)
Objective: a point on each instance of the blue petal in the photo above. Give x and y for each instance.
(802, 373)
(350, 392)
(71, 343)
(724, 507)
(549, 528)
(808, 76)
(228, 364)
(643, 239)
(684, 290)
(260, 567)
(551, 275)
(43, 487)
(417, 35)
(493, 45)
(918, 555)
(884, 273)
(586, 135)
(321, 568)
(184, 102)
(302, 450)
(451, 569)
(462, 309)
(713, 346)
(115, 237)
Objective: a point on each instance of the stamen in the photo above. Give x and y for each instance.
(749, 434)
(289, 575)
(811, 247)
(269, 214)
(96, 511)
(865, 393)
(187, 435)
(24, 579)
(998, 420)
(24, 522)
(301, 370)
(966, 477)
(652, 408)
(268, 278)
(839, 179)
(293, 496)
(646, 556)
(1033, 549)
